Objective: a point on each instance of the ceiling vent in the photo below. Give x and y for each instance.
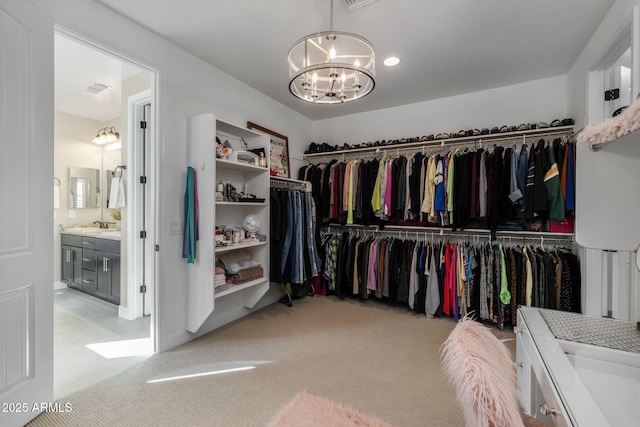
(355, 4)
(96, 87)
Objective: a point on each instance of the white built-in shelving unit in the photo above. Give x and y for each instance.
(201, 297)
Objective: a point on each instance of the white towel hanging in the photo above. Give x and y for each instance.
(116, 195)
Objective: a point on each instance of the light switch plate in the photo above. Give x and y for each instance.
(175, 228)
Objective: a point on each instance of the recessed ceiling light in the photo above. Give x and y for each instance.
(391, 61)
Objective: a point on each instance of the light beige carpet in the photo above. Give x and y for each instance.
(381, 360)
(309, 410)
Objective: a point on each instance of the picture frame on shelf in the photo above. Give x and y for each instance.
(278, 151)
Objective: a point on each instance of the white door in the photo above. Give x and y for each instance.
(26, 212)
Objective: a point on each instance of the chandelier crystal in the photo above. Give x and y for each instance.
(331, 67)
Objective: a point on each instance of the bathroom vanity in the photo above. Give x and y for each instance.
(577, 370)
(91, 262)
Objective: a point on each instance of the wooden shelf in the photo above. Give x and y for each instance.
(223, 164)
(236, 246)
(241, 203)
(237, 288)
(486, 139)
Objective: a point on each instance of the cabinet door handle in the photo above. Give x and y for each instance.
(547, 410)
(107, 260)
(518, 364)
(86, 259)
(66, 252)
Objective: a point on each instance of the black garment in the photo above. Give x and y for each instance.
(278, 231)
(507, 210)
(401, 186)
(462, 190)
(422, 263)
(540, 204)
(405, 269)
(369, 173)
(414, 186)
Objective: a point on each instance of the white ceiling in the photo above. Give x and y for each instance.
(445, 47)
(77, 66)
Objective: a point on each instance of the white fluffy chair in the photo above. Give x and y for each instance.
(481, 369)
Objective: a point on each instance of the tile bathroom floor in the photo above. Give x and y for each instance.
(91, 343)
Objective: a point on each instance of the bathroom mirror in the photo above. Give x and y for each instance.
(84, 188)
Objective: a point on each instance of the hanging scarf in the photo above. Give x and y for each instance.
(190, 231)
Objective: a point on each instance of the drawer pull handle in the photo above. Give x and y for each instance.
(87, 281)
(87, 243)
(547, 410)
(86, 259)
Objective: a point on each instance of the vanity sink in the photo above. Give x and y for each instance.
(83, 230)
(95, 232)
(111, 234)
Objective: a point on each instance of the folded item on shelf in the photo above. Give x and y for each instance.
(221, 288)
(247, 275)
(242, 265)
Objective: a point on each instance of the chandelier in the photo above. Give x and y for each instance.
(331, 67)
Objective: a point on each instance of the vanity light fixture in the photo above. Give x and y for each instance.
(106, 136)
(331, 67)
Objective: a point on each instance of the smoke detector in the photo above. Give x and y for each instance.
(96, 87)
(355, 4)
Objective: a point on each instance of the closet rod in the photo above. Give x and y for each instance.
(507, 137)
(424, 235)
(441, 231)
(281, 182)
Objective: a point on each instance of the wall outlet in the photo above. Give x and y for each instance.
(72, 214)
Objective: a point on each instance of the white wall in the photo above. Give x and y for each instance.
(599, 172)
(540, 100)
(186, 86)
(618, 17)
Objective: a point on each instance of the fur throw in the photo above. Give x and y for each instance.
(613, 128)
(481, 369)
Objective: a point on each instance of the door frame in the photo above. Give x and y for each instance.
(136, 246)
(152, 196)
(626, 36)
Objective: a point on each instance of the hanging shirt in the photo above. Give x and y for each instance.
(554, 193)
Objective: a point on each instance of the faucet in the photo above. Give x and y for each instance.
(101, 224)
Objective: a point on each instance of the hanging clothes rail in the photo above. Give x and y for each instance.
(453, 274)
(424, 233)
(289, 183)
(294, 259)
(507, 138)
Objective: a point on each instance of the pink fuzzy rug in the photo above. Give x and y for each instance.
(308, 410)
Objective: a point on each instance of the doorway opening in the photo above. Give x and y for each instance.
(104, 262)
